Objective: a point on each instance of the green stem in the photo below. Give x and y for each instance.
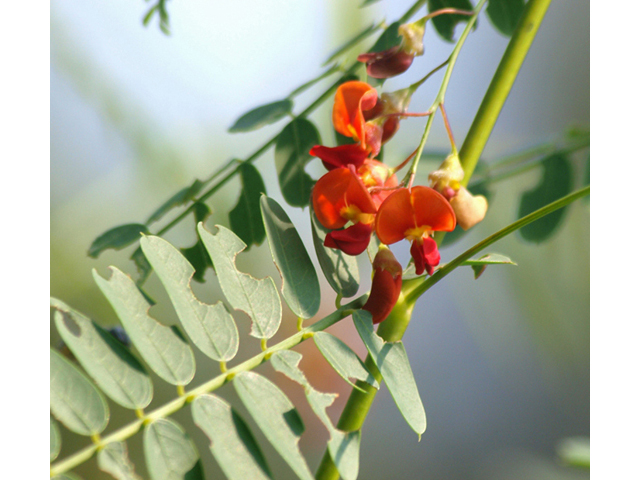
(169, 408)
(408, 179)
(359, 403)
(501, 85)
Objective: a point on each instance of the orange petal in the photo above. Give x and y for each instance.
(432, 209)
(350, 100)
(335, 190)
(395, 217)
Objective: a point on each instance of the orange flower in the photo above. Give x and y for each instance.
(385, 286)
(350, 101)
(340, 197)
(414, 215)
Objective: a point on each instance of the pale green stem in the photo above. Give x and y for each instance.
(213, 384)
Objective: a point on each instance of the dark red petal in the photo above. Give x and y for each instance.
(388, 63)
(425, 255)
(341, 156)
(352, 241)
(385, 286)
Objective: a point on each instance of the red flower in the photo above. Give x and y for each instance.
(414, 215)
(340, 197)
(398, 59)
(385, 286)
(341, 156)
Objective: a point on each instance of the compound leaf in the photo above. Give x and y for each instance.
(245, 218)
(211, 327)
(169, 452)
(114, 459)
(393, 363)
(505, 14)
(116, 371)
(183, 196)
(54, 440)
(164, 351)
(292, 155)
(300, 286)
(340, 270)
(276, 416)
(117, 238)
(75, 401)
(343, 360)
(556, 183)
(257, 298)
(262, 116)
(232, 443)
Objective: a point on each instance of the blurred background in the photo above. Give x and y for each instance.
(502, 362)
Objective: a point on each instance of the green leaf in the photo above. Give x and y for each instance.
(75, 401)
(183, 196)
(479, 265)
(389, 39)
(343, 360)
(505, 14)
(355, 40)
(261, 116)
(445, 24)
(55, 443)
(300, 286)
(257, 298)
(575, 451)
(197, 256)
(245, 217)
(393, 363)
(114, 459)
(211, 327)
(168, 355)
(276, 416)
(556, 183)
(116, 371)
(292, 155)
(117, 238)
(169, 452)
(143, 266)
(340, 270)
(344, 447)
(232, 443)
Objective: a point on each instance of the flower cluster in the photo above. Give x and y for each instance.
(361, 196)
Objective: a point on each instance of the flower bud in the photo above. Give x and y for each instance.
(450, 174)
(385, 286)
(469, 209)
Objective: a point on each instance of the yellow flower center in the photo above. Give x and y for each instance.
(417, 233)
(355, 215)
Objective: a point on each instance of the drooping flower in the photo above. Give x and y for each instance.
(414, 215)
(340, 156)
(340, 197)
(351, 100)
(469, 209)
(385, 286)
(398, 59)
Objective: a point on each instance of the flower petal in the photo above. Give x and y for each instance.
(395, 217)
(432, 209)
(351, 99)
(340, 156)
(335, 190)
(352, 241)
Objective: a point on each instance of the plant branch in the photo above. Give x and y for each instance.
(500, 85)
(213, 384)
